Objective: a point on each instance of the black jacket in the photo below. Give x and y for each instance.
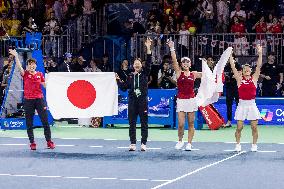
(143, 80)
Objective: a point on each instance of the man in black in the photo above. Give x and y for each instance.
(231, 91)
(272, 77)
(166, 77)
(138, 98)
(66, 65)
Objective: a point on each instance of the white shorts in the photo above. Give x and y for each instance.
(186, 105)
(247, 110)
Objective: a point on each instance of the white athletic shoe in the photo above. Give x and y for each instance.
(253, 148)
(143, 147)
(238, 148)
(179, 145)
(132, 147)
(188, 147)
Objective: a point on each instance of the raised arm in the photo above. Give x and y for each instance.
(18, 63)
(174, 58)
(148, 43)
(258, 64)
(235, 71)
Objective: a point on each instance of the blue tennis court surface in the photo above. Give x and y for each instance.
(84, 164)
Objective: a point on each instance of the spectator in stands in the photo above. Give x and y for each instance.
(51, 29)
(124, 70)
(207, 25)
(66, 65)
(171, 26)
(14, 26)
(198, 16)
(52, 66)
(260, 27)
(79, 65)
(184, 37)
(58, 10)
(106, 67)
(166, 77)
(238, 28)
(31, 27)
(4, 83)
(272, 77)
(276, 26)
(222, 16)
(176, 11)
(240, 14)
(92, 67)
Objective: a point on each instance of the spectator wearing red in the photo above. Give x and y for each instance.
(238, 28)
(276, 26)
(260, 27)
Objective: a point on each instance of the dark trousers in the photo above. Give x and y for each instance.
(138, 106)
(231, 95)
(30, 105)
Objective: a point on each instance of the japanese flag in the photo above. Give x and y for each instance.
(81, 95)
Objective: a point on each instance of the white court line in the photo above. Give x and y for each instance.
(5, 174)
(159, 180)
(64, 145)
(77, 177)
(13, 144)
(229, 150)
(126, 147)
(280, 143)
(20, 137)
(197, 170)
(193, 149)
(95, 146)
(135, 179)
(266, 151)
(70, 138)
(24, 175)
(235, 142)
(104, 178)
(110, 139)
(49, 176)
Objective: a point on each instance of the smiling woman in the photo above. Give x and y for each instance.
(33, 99)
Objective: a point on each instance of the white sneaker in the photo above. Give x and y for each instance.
(238, 148)
(132, 147)
(179, 145)
(253, 148)
(188, 147)
(143, 147)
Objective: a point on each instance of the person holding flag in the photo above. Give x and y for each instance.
(208, 92)
(33, 99)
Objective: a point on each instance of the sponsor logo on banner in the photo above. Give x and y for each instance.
(14, 123)
(266, 114)
(205, 113)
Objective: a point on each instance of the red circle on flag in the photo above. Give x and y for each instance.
(81, 93)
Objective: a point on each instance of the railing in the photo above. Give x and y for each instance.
(201, 45)
(52, 45)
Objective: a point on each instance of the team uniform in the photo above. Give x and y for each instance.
(247, 109)
(186, 101)
(33, 100)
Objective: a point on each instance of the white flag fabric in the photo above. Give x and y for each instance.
(211, 82)
(81, 95)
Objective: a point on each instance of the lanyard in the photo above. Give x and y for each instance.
(138, 74)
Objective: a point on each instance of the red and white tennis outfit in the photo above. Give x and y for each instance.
(247, 109)
(186, 101)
